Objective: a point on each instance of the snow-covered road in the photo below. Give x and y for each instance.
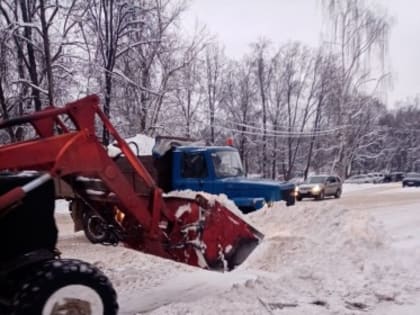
(358, 254)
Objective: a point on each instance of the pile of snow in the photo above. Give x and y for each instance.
(316, 258)
(140, 144)
(164, 144)
(316, 231)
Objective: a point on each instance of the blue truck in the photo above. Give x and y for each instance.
(216, 170)
(177, 165)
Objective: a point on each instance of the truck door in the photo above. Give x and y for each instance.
(194, 172)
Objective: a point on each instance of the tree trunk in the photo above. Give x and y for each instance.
(261, 82)
(5, 112)
(32, 69)
(107, 105)
(313, 138)
(47, 53)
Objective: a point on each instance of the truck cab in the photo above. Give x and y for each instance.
(219, 170)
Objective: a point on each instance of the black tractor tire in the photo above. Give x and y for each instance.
(337, 193)
(84, 289)
(94, 228)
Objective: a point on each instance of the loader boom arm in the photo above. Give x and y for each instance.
(78, 152)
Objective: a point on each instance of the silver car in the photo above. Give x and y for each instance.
(320, 186)
(359, 179)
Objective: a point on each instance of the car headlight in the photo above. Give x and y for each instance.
(316, 189)
(297, 189)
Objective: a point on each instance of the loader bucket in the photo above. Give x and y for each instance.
(209, 235)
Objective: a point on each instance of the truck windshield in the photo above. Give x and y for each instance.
(227, 164)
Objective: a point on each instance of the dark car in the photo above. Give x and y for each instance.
(319, 186)
(411, 180)
(394, 177)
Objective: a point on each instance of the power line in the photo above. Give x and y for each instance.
(269, 134)
(274, 132)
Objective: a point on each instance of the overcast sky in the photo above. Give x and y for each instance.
(237, 23)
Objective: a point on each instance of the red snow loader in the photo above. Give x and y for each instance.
(65, 146)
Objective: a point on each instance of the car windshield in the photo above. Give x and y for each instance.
(316, 179)
(227, 164)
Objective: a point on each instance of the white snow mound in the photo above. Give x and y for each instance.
(144, 144)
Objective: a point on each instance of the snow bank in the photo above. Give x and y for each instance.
(348, 187)
(316, 258)
(309, 229)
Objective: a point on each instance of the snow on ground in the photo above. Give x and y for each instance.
(356, 255)
(347, 187)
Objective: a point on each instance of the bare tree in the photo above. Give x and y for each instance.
(32, 25)
(263, 73)
(296, 93)
(215, 64)
(359, 31)
(110, 22)
(401, 146)
(325, 68)
(140, 58)
(4, 54)
(190, 92)
(241, 112)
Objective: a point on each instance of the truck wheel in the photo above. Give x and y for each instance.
(95, 228)
(65, 286)
(299, 198)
